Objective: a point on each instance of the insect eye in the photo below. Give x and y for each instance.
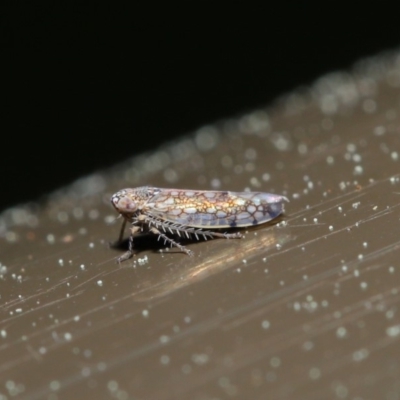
(123, 204)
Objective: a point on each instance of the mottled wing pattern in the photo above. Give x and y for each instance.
(213, 209)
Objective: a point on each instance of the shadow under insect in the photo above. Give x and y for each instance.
(149, 241)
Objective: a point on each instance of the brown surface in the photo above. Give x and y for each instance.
(306, 309)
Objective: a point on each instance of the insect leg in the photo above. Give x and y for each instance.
(176, 228)
(171, 241)
(121, 232)
(236, 235)
(129, 253)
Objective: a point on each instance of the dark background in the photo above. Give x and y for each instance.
(88, 86)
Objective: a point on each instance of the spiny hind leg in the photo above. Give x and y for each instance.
(188, 231)
(171, 241)
(236, 235)
(129, 253)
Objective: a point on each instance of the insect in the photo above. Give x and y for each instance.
(192, 212)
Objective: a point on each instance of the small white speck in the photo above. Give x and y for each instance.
(389, 314)
(215, 183)
(145, 313)
(101, 366)
(330, 160)
(337, 314)
(364, 285)
(393, 330)
(379, 130)
(61, 262)
(50, 238)
(200, 359)
(255, 182)
(315, 373)
(77, 212)
(369, 106)
(360, 256)
(341, 332)
(54, 385)
(308, 345)
(351, 147)
(100, 283)
(164, 339)
(265, 324)
(227, 161)
(164, 359)
(62, 217)
(331, 228)
(340, 209)
(302, 148)
(341, 391)
(3, 269)
(109, 219)
(67, 336)
(3, 333)
(170, 175)
(360, 355)
(87, 353)
(112, 386)
(394, 155)
(275, 362)
(266, 177)
(94, 214)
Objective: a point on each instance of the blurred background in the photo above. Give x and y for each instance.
(86, 87)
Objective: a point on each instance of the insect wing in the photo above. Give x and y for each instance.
(214, 209)
(255, 208)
